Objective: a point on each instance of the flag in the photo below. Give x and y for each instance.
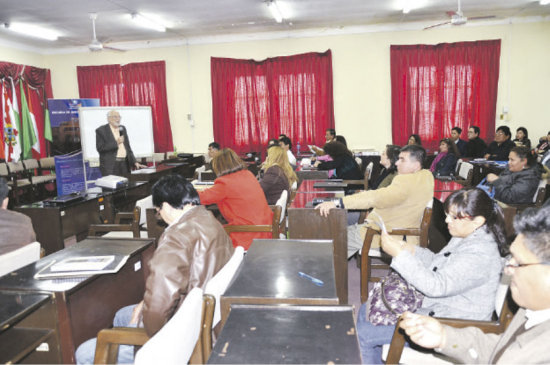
(47, 126)
(36, 145)
(28, 139)
(12, 147)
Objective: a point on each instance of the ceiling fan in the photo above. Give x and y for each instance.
(96, 45)
(458, 18)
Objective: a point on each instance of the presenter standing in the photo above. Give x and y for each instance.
(112, 144)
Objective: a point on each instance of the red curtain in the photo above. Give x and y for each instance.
(134, 84)
(146, 85)
(254, 101)
(37, 84)
(437, 87)
(103, 83)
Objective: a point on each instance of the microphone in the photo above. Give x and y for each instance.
(121, 130)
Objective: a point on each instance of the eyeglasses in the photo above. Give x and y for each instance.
(514, 265)
(454, 217)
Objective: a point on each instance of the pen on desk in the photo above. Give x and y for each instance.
(313, 280)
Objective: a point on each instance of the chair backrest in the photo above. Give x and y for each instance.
(31, 164)
(219, 283)
(466, 171)
(368, 170)
(176, 340)
(457, 167)
(15, 167)
(16, 259)
(538, 199)
(425, 223)
(282, 202)
(144, 204)
(4, 172)
(47, 162)
(273, 227)
(359, 161)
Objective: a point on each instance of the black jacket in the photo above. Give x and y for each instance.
(475, 148)
(446, 166)
(499, 152)
(107, 148)
(346, 168)
(517, 187)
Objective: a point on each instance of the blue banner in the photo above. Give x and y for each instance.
(69, 173)
(65, 125)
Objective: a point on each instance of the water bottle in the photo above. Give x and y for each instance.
(298, 149)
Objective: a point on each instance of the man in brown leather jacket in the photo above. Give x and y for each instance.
(193, 248)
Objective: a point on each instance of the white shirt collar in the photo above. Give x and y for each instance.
(536, 317)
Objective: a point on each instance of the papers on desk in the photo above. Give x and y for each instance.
(82, 266)
(147, 170)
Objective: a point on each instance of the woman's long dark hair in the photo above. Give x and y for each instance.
(392, 151)
(473, 202)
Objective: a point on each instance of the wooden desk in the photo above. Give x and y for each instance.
(255, 334)
(121, 200)
(27, 321)
(86, 305)
(310, 174)
(53, 225)
(305, 222)
(152, 175)
(269, 275)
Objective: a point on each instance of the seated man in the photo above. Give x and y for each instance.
(15, 228)
(499, 149)
(401, 204)
(526, 339)
(192, 249)
(330, 136)
(475, 145)
(213, 149)
(460, 143)
(286, 144)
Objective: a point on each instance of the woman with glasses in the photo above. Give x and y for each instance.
(458, 282)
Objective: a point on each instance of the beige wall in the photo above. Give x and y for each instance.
(361, 69)
(8, 54)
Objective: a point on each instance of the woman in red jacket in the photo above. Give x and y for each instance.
(238, 195)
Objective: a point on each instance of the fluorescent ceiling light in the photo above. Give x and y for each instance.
(275, 11)
(544, 2)
(147, 23)
(32, 31)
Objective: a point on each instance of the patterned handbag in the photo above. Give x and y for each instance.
(390, 298)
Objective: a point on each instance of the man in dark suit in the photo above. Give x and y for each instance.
(115, 154)
(475, 146)
(460, 143)
(15, 228)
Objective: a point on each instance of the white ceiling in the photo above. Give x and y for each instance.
(195, 20)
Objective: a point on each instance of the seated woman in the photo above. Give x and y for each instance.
(388, 159)
(445, 162)
(522, 138)
(414, 139)
(278, 175)
(517, 184)
(458, 282)
(342, 161)
(239, 197)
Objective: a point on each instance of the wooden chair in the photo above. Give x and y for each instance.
(368, 254)
(175, 343)
(130, 229)
(364, 184)
(273, 227)
(503, 318)
(155, 225)
(283, 203)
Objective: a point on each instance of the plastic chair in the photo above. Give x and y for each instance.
(173, 344)
(16, 259)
